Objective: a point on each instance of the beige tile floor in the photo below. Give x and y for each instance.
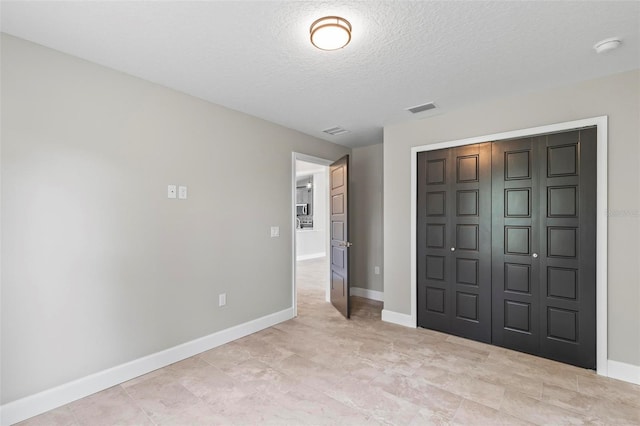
(322, 369)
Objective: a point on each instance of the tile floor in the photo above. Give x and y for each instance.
(322, 369)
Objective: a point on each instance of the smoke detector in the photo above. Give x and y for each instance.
(607, 44)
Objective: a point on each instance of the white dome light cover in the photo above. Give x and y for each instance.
(330, 33)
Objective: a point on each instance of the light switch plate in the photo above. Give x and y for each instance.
(182, 192)
(275, 231)
(222, 299)
(171, 191)
(376, 270)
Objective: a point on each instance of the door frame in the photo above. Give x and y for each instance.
(601, 123)
(323, 162)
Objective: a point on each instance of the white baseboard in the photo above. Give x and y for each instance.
(41, 402)
(366, 293)
(622, 371)
(397, 318)
(310, 256)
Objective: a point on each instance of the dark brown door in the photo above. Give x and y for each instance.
(506, 243)
(516, 230)
(544, 246)
(454, 241)
(340, 244)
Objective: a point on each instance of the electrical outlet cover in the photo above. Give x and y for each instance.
(171, 191)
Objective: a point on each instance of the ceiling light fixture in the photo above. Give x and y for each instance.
(607, 45)
(330, 33)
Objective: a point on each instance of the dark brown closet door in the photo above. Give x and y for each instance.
(568, 247)
(433, 225)
(516, 229)
(544, 225)
(454, 241)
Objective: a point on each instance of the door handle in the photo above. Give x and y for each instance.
(453, 249)
(345, 244)
(534, 255)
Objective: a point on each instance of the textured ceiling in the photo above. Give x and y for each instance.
(255, 57)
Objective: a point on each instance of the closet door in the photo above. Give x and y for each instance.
(454, 241)
(568, 247)
(433, 240)
(544, 224)
(516, 229)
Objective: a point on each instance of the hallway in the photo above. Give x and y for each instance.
(312, 277)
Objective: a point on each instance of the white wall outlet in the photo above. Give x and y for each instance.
(171, 191)
(182, 192)
(376, 270)
(222, 299)
(275, 231)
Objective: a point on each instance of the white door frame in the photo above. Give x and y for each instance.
(323, 162)
(601, 216)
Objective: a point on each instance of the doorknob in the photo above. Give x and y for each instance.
(345, 244)
(534, 255)
(453, 249)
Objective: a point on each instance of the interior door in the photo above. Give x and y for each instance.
(340, 244)
(454, 241)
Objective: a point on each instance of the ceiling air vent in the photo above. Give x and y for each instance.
(421, 108)
(336, 131)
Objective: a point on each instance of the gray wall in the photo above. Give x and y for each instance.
(99, 267)
(616, 96)
(366, 216)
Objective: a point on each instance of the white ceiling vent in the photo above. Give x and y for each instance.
(420, 108)
(336, 131)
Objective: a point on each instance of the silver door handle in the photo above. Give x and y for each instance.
(453, 249)
(345, 244)
(534, 255)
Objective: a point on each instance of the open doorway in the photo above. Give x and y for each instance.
(311, 229)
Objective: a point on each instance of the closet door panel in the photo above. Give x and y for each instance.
(544, 226)
(433, 225)
(470, 234)
(515, 302)
(567, 262)
(454, 241)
